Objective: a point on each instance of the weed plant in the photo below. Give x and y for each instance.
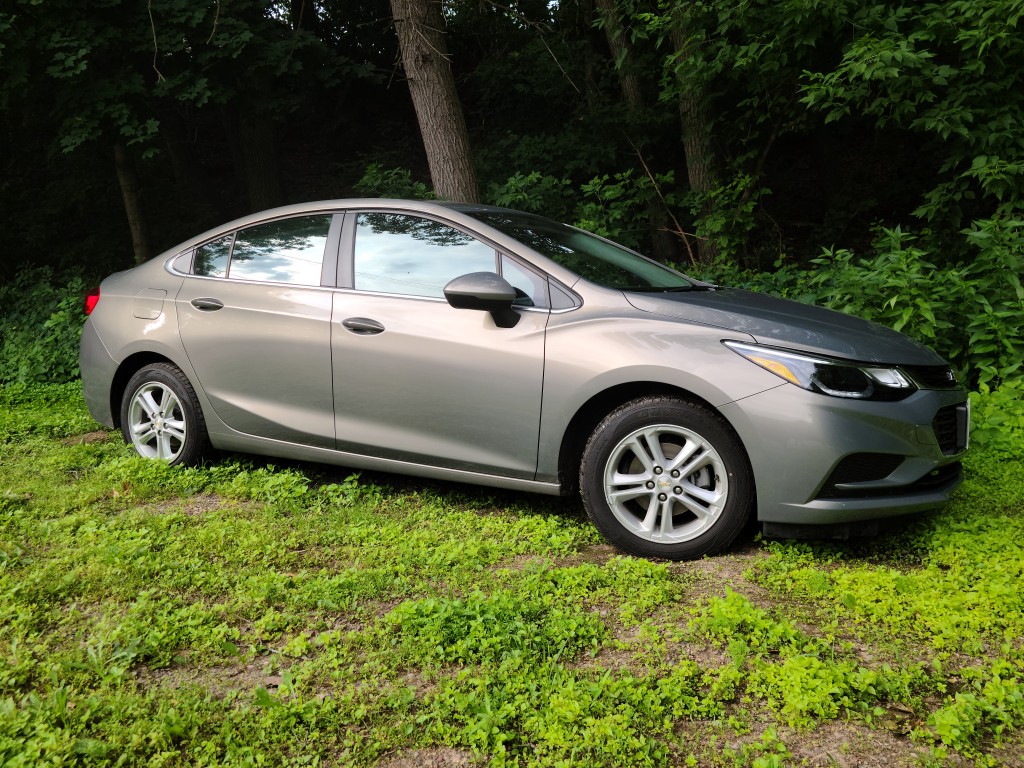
(242, 613)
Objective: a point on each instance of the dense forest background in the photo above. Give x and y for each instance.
(874, 148)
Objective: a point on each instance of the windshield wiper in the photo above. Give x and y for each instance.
(694, 287)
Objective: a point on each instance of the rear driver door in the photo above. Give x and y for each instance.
(255, 322)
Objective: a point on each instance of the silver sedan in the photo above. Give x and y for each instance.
(485, 345)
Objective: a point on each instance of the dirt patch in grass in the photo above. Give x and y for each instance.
(438, 757)
(851, 745)
(599, 554)
(88, 438)
(834, 744)
(727, 570)
(218, 680)
(193, 506)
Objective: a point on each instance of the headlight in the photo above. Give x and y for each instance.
(827, 376)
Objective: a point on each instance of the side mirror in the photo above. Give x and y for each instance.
(485, 291)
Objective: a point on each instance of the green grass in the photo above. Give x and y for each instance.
(243, 613)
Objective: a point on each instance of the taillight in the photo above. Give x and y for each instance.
(92, 298)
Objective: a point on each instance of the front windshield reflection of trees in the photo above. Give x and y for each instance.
(590, 257)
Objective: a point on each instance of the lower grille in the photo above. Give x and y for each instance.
(950, 426)
(859, 468)
(937, 478)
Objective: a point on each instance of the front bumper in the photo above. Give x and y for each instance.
(820, 460)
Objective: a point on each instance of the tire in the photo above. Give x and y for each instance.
(161, 417)
(664, 477)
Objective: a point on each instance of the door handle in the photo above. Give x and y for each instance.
(363, 326)
(207, 305)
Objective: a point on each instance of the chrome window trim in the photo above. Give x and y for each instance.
(434, 299)
(244, 281)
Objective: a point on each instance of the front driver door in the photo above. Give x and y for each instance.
(417, 380)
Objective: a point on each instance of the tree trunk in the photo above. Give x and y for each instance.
(189, 174)
(421, 37)
(696, 130)
(622, 54)
(258, 142)
(663, 243)
(129, 182)
(302, 14)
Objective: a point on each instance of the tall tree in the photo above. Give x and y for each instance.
(421, 35)
(664, 244)
(695, 122)
(129, 182)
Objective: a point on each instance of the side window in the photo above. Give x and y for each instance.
(285, 251)
(531, 288)
(396, 253)
(212, 259)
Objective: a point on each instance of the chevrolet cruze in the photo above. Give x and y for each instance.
(485, 345)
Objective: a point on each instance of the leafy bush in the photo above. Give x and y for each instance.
(535, 193)
(616, 207)
(997, 419)
(378, 181)
(53, 410)
(41, 316)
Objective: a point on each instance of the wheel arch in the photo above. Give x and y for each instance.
(590, 414)
(128, 368)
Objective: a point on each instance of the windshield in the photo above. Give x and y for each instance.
(592, 258)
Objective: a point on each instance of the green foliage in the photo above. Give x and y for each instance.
(41, 316)
(535, 193)
(991, 705)
(51, 410)
(241, 613)
(948, 72)
(725, 215)
(378, 181)
(616, 207)
(997, 419)
(488, 628)
(969, 313)
(808, 683)
(549, 714)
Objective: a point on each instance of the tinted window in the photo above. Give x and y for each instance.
(212, 259)
(531, 288)
(286, 251)
(396, 253)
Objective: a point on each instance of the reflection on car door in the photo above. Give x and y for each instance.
(263, 355)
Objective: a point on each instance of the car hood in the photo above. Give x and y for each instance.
(781, 322)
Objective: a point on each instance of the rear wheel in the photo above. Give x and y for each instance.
(161, 417)
(664, 477)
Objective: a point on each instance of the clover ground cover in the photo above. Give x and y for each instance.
(244, 614)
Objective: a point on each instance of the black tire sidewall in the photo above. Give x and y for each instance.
(667, 410)
(171, 377)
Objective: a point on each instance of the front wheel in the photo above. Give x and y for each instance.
(161, 417)
(664, 477)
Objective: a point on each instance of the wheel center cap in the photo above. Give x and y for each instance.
(664, 484)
